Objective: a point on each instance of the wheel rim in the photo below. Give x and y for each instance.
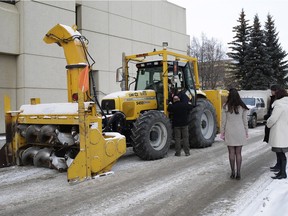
(207, 124)
(158, 136)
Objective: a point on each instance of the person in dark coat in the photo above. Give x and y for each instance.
(183, 97)
(273, 89)
(180, 111)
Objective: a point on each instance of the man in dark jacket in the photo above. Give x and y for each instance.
(180, 111)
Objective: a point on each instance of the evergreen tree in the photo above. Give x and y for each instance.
(259, 71)
(238, 54)
(278, 65)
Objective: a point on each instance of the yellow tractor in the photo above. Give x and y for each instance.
(64, 136)
(141, 114)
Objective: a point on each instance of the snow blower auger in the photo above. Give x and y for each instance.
(64, 136)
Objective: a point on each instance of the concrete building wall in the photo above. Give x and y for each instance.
(32, 68)
(9, 50)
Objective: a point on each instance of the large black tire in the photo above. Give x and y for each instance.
(202, 125)
(151, 135)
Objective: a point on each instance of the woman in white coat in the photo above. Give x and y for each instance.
(278, 124)
(234, 129)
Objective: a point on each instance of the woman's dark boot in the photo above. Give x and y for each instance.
(278, 174)
(238, 176)
(232, 176)
(282, 174)
(277, 166)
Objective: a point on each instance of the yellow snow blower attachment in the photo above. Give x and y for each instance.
(64, 136)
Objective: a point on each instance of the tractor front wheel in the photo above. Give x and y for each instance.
(151, 135)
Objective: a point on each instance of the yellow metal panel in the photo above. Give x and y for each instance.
(62, 35)
(217, 98)
(77, 170)
(73, 83)
(49, 119)
(165, 81)
(7, 104)
(133, 103)
(129, 109)
(96, 150)
(103, 152)
(34, 101)
(121, 146)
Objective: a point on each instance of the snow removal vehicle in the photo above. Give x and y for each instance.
(75, 137)
(65, 136)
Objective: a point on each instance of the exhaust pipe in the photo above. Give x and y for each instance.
(28, 155)
(32, 133)
(42, 158)
(47, 134)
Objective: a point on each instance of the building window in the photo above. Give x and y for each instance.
(78, 16)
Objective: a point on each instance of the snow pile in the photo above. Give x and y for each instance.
(271, 201)
(51, 108)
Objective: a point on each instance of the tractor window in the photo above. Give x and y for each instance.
(148, 77)
(189, 81)
(176, 80)
(182, 82)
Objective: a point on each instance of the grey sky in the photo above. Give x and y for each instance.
(217, 18)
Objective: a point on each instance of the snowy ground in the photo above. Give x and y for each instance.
(271, 201)
(271, 195)
(266, 197)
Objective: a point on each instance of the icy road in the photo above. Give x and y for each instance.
(195, 185)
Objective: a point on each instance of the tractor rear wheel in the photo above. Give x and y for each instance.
(202, 126)
(151, 135)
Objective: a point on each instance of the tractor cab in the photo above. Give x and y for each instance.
(180, 80)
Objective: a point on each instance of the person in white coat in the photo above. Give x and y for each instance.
(234, 129)
(278, 124)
